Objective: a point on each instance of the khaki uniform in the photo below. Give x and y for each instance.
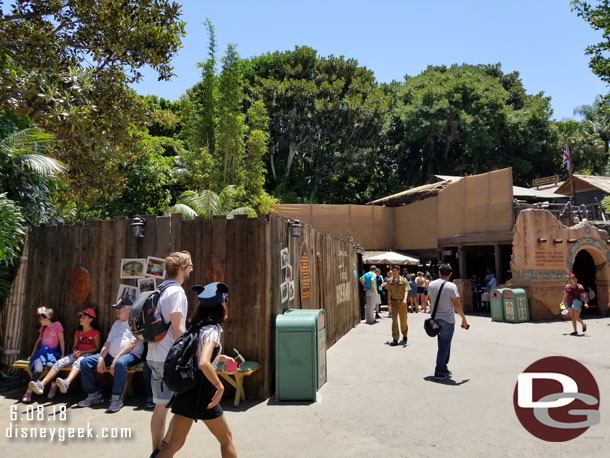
(397, 289)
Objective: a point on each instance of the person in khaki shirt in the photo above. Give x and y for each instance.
(398, 289)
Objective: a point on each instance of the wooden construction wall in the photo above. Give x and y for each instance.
(249, 249)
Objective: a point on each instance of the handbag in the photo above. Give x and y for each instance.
(430, 326)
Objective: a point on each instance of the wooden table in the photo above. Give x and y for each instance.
(236, 379)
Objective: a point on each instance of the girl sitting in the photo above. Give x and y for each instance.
(48, 347)
(87, 339)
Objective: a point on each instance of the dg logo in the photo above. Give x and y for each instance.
(556, 399)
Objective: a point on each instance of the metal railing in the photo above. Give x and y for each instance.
(567, 213)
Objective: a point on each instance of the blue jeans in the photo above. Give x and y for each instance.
(88, 367)
(444, 346)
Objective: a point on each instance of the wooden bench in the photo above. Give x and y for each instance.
(131, 370)
(236, 379)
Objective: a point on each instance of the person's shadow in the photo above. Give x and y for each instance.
(447, 381)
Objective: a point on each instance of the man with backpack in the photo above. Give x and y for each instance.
(173, 306)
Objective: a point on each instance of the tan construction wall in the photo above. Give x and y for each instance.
(416, 225)
(476, 204)
(371, 226)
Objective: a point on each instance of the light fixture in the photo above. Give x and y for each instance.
(137, 227)
(541, 240)
(572, 240)
(296, 228)
(557, 240)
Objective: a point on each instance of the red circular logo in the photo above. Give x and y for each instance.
(556, 399)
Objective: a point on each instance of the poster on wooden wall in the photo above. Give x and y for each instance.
(284, 293)
(284, 258)
(305, 277)
(126, 291)
(133, 268)
(291, 290)
(288, 273)
(155, 267)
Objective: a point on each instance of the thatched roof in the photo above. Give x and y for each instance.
(410, 195)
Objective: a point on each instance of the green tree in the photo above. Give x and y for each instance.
(11, 233)
(27, 176)
(66, 64)
(207, 203)
(586, 149)
(598, 16)
(468, 119)
(327, 118)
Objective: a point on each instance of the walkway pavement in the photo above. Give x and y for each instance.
(379, 401)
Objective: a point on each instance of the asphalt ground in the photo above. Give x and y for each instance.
(378, 401)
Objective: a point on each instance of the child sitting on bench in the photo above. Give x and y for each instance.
(86, 340)
(48, 347)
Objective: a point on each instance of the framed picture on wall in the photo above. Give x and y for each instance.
(284, 258)
(146, 284)
(288, 273)
(126, 291)
(155, 267)
(291, 292)
(133, 268)
(285, 293)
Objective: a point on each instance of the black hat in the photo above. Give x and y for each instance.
(212, 294)
(124, 302)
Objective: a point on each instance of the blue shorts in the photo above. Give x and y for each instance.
(576, 304)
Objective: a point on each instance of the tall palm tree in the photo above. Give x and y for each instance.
(596, 121)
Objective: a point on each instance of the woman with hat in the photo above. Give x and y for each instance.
(87, 339)
(48, 347)
(201, 402)
(574, 297)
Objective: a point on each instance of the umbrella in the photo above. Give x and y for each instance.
(390, 257)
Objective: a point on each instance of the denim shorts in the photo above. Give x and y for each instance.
(576, 304)
(161, 393)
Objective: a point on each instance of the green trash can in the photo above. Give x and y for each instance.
(495, 304)
(516, 307)
(300, 354)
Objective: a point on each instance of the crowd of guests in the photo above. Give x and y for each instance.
(122, 350)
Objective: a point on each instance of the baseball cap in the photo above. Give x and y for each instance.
(89, 312)
(124, 302)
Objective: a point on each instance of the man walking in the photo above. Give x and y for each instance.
(398, 288)
(448, 304)
(173, 305)
(369, 281)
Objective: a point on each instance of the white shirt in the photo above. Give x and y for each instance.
(173, 300)
(119, 337)
(210, 333)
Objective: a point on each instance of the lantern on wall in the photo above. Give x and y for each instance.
(137, 227)
(296, 228)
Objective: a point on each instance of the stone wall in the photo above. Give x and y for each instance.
(543, 254)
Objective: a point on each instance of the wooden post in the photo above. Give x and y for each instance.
(462, 261)
(498, 257)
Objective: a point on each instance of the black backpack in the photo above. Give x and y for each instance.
(145, 319)
(181, 371)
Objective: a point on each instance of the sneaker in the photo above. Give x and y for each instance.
(115, 404)
(52, 391)
(390, 315)
(404, 340)
(27, 397)
(62, 384)
(393, 343)
(91, 399)
(441, 376)
(574, 333)
(584, 327)
(36, 386)
(149, 405)
(448, 373)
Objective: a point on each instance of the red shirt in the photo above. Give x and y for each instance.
(86, 340)
(574, 293)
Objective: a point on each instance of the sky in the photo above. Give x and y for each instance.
(541, 39)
